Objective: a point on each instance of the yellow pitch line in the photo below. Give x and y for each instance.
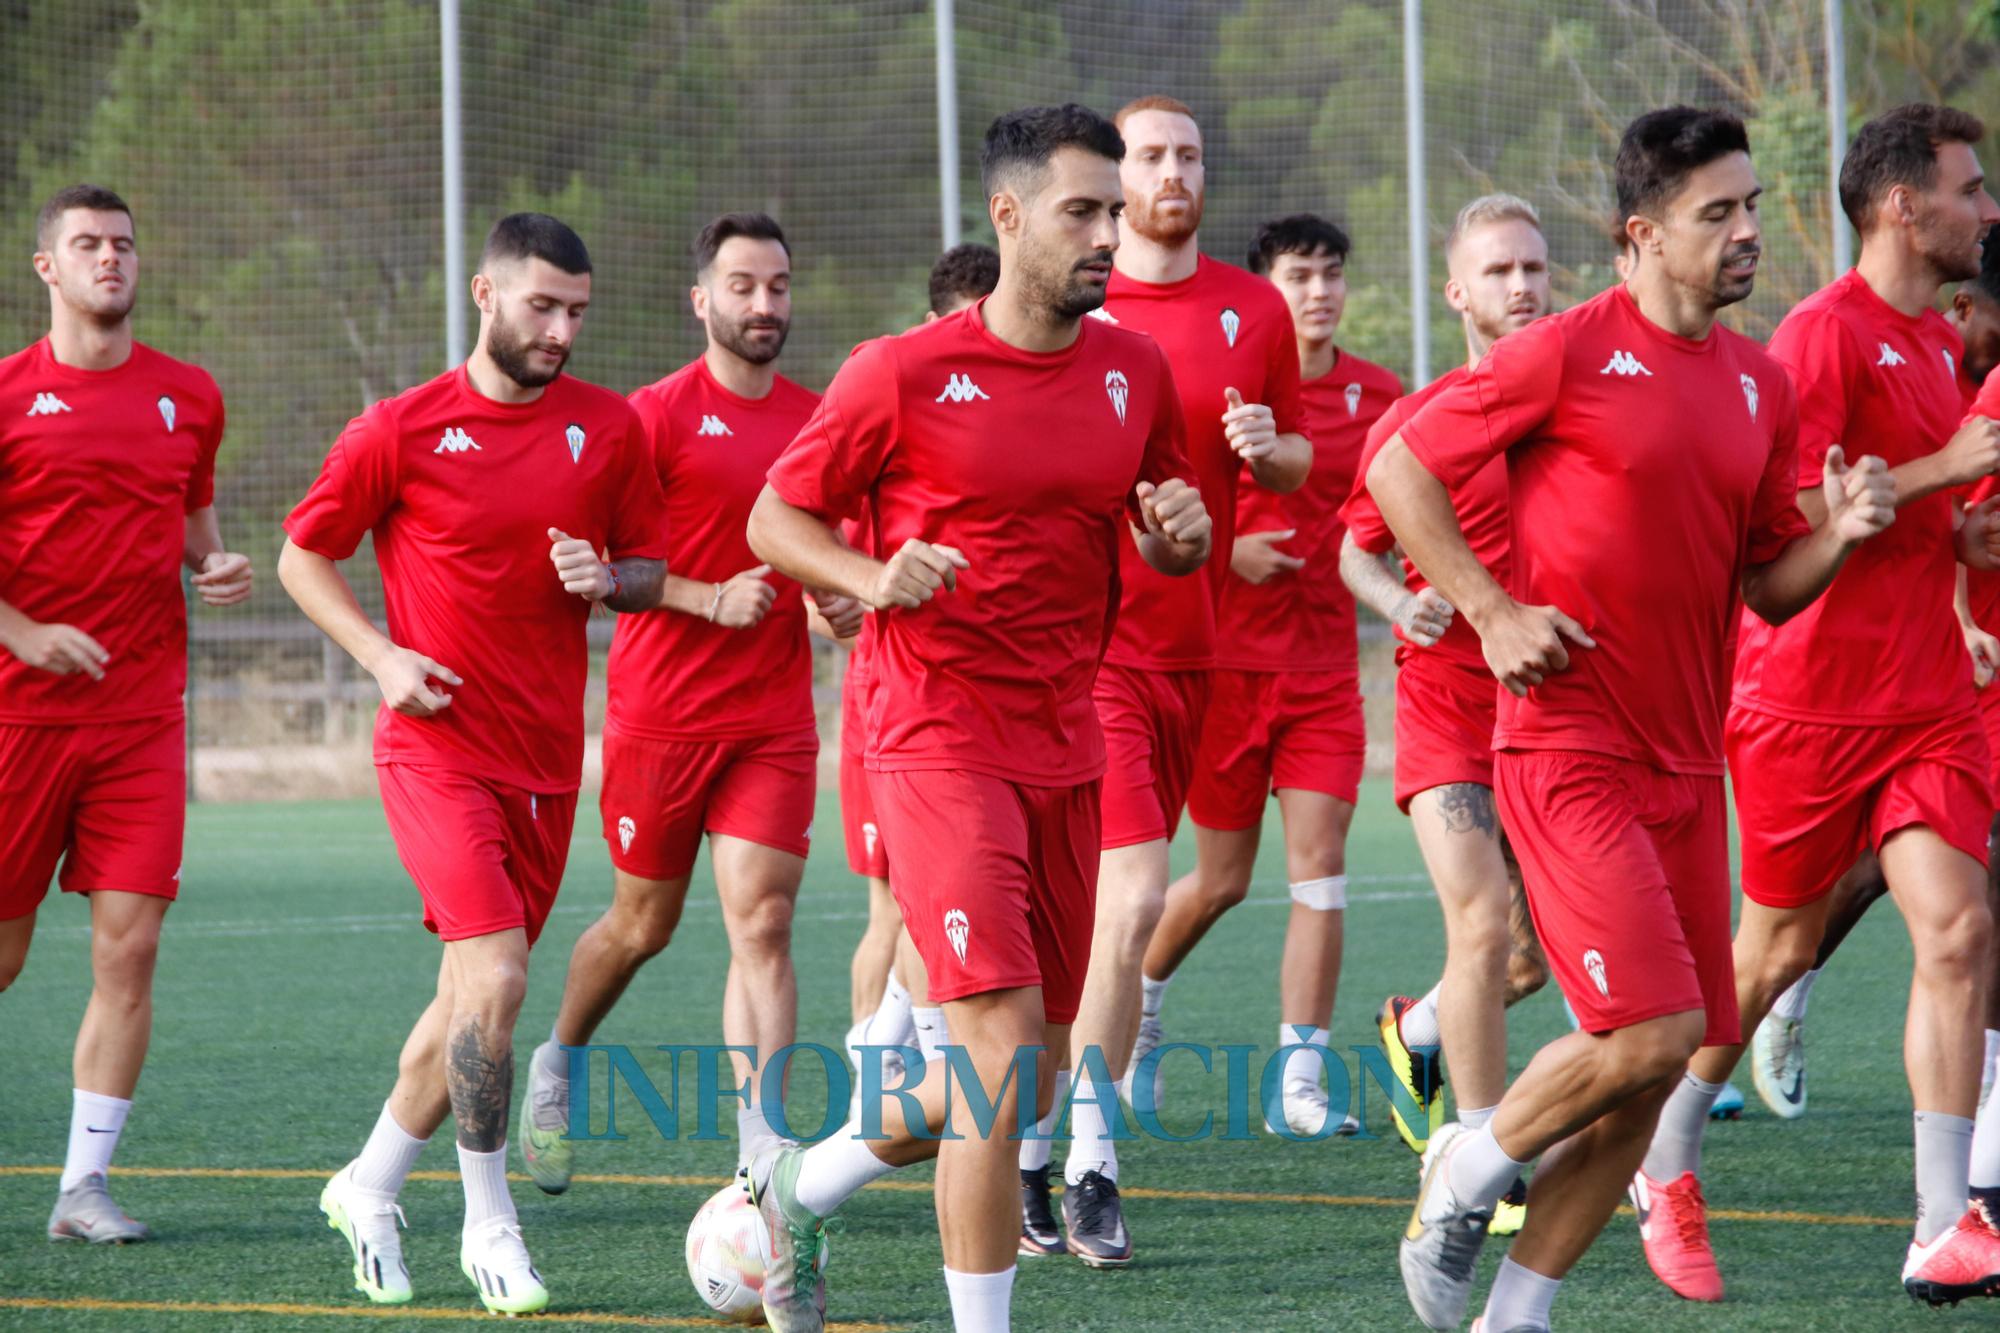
(924, 1187)
(90, 1303)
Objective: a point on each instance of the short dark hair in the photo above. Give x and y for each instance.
(1661, 148)
(1305, 234)
(535, 236)
(1899, 147)
(1987, 284)
(49, 221)
(709, 240)
(1025, 140)
(963, 273)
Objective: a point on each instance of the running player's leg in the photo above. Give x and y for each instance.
(1984, 1176)
(759, 887)
(875, 956)
(15, 936)
(118, 1021)
(1224, 860)
(1316, 825)
(639, 925)
(1458, 833)
(1777, 1050)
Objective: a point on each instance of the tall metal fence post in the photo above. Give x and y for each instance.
(947, 121)
(1836, 132)
(454, 185)
(1413, 118)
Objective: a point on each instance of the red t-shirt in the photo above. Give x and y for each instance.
(1645, 471)
(1026, 462)
(460, 492)
(673, 675)
(1481, 505)
(1221, 328)
(99, 470)
(1981, 587)
(859, 533)
(1882, 645)
(1303, 620)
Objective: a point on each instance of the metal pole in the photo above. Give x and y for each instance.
(454, 187)
(947, 122)
(1413, 129)
(1836, 132)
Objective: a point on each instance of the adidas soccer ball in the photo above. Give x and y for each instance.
(728, 1249)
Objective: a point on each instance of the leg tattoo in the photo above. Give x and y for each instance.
(481, 1087)
(1467, 807)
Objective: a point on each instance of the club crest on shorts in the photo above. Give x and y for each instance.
(1231, 322)
(957, 929)
(1353, 399)
(166, 406)
(1749, 394)
(626, 830)
(573, 434)
(1593, 963)
(1118, 391)
(870, 835)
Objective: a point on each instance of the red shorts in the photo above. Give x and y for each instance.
(865, 852)
(660, 796)
(1152, 728)
(107, 799)
(1812, 796)
(486, 856)
(1989, 718)
(997, 881)
(1272, 729)
(1627, 870)
(1444, 725)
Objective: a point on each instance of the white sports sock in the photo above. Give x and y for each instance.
(1792, 1004)
(1475, 1117)
(552, 1061)
(890, 1024)
(835, 1169)
(930, 1031)
(1091, 1147)
(1985, 1172)
(1038, 1148)
(1986, 1069)
(484, 1175)
(1152, 994)
(1676, 1145)
(1944, 1157)
(386, 1159)
(95, 1122)
(1520, 1298)
(753, 1134)
(1480, 1170)
(1301, 1066)
(1419, 1024)
(980, 1302)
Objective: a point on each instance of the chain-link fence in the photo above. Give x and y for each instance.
(284, 159)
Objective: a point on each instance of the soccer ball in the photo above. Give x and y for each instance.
(728, 1249)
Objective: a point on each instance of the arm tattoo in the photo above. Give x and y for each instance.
(481, 1087)
(1467, 807)
(639, 584)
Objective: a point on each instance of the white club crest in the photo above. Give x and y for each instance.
(1118, 391)
(1231, 322)
(1353, 399)
(166, 406)
(626, 830)
(1950, 366)
(574, 435)
(957, 929)
(1749, 394)
(870, 835)
(1593, 963)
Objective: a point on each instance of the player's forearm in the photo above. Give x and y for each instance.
(1781, 588)
(1286, 467)
(202, 537)
(317, 585)
(13, 625)
(1171, 557)
(801, 547)
(1915, 479)
(638, 581)
(1367, 575)
(1961, 600)
(1418, 509)
(690, 597)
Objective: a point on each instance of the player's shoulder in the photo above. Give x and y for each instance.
(1369, 374)
(186, 375)
(569, 394)
(1243, 289)
(1836, 316)
(414, 404)
(25, 362)
(669, 388)
(789, 394)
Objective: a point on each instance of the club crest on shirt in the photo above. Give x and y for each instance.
(1353, 399)
(1117, 390)
(573, 434)
(1231, 322)
(166, 406)
(1749, 394)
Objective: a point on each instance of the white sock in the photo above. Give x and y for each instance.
(1985, 1173)
(95, 1122)
(1475, 1117)
(485, 1178)
(386, 1159)
(835, 1169)
(1792, 1004)
(552, 1061)
(890, 1024)
(1419, 1024)
(1944, 1158)
(1676, 1145)
(1037, 1149)
(930, 1031)
(1091, 1147)
(1301, 1066)
(1520, 1298)
(1480, 1170)
(1152, 994)
(980, 1302)
(1986, 1070)
(753, 1134)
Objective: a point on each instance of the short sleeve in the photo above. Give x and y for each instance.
(656, 433)
(1501, 402)
(830, 467)
(1361, 514)
(355, 488)
(638, 528)
(1166, 453)
(1775, 518)
(1986, 403)
(201, 481)
(1819, 355)
(1282, 393)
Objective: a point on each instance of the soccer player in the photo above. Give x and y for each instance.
(107, 488)
(1855, 726)
(996, 450)
(1498, 261)
(1284, 715)
(490, 491)
(709, 726)
(887, 970)
(1228, 336)
(1633, 426)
